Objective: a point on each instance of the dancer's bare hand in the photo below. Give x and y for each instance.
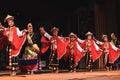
(42, 30)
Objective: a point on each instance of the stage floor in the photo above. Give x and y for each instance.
(95, 75)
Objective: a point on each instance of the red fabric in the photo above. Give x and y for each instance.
(29, 67)
(113, 55)
(95, 53)
(45, 45)
(61, 46)
(77, 54)
(81, 44)
(17, 42)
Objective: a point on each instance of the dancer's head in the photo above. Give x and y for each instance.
(89, 35)
(72, 37)
(54, 31)
(105, 37)
(113, 37)
(10, 20)
(30, 28)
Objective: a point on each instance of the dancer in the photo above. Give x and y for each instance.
(74, 52)
(30, 57)
(57, 45)
(13, 38)
(111, 52)
(93, 52)
(115, 42)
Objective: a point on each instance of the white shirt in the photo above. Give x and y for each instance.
(80, 41)
(19, 33)
(101, 43)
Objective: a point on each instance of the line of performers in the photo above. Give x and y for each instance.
(70, 48)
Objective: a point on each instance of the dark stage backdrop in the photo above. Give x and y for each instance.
(105, 20)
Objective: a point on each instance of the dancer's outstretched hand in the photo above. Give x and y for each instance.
(42, 30)
(24, 30)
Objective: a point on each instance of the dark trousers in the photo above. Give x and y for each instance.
(15, 63)
(54, 62)
(72, 67)
(89, 61)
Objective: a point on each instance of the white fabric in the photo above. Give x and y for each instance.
(19, 33)
(96, 46)
(79, 48)
(5, 28)
(99, 42)
(47, 35)
(114, 47)
(80, 41)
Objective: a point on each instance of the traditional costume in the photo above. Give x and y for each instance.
(13, 38)
(29, 60)
(111, 52)
(74, 52)
(57, 45)
(116, 43)
(93, 52)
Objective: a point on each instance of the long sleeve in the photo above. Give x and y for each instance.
(114, 47)
(80, 41)
(96, 46)
(99, 42)
(19, 33)
(79, 48)
(47, 35)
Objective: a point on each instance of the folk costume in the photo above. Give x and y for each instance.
(111, 52)
(92, 50)
(116, 43)
(13, 40)
(74, 52)
(29, 61)
(57, 45)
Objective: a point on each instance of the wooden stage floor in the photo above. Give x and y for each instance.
(95, 75)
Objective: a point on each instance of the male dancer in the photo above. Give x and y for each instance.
(57, 45)
(14, 41)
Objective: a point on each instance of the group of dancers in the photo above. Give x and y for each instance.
(70, 48)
